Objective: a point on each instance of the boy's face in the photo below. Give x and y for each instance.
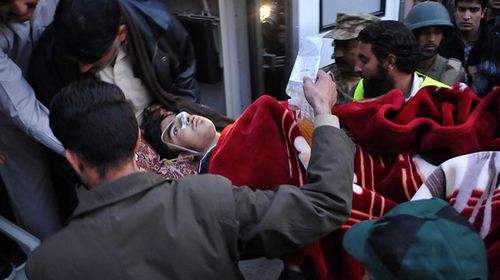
(197, 133)
(17, 10)
(468, 15)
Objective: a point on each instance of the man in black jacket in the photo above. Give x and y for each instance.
(137, 45)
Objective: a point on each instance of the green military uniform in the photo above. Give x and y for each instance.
(346, 82)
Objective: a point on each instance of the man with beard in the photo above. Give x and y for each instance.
(430, 22)
(346, 45)
(388, 58)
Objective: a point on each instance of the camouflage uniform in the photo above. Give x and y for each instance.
(347, 27)
(346, 82)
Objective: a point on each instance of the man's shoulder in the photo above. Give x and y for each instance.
(451, 70)
(154, 10)
(452, 64)
(206, 183)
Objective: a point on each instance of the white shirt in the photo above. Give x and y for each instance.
(415, 86)
(121, 74)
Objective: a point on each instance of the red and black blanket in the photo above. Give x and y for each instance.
(435, 125)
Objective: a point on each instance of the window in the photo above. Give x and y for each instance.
(330, 8)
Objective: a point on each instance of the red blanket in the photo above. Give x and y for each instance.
(436, 124)
(258, 150)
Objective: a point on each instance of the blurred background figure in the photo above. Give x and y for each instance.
(493, 14)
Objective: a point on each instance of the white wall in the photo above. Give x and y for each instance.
(309, 23)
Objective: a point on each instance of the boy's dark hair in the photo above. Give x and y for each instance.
(392, 37)
(151, 129)
(484, 3)
(94, 120)
(86, 29)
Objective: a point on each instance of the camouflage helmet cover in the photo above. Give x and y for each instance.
(348, 25)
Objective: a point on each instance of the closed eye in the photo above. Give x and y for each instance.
(175, 131)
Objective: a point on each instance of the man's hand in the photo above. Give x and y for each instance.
(322, 95)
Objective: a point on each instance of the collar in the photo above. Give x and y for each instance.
(417, 81)
(117, 190)
(121, 53)
(203, 168)
(438, 61)
(107, 73)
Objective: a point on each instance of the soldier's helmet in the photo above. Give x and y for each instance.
(427, 14)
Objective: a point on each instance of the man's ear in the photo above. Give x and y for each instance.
(139, 136)
(74, 160)
(122, 33)
(390, 61)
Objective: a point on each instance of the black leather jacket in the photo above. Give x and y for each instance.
(168, 45)
(165, 42)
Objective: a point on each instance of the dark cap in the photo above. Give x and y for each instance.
(423, 239)
(348, 25)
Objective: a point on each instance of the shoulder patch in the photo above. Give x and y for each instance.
(454, 63)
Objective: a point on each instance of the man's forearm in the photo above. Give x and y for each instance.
(292, 217)
(331, 172)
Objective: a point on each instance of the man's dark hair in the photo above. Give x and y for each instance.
(392, 37)
(484, 3)
(94, 120)
(152, 134)
(86, 29)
